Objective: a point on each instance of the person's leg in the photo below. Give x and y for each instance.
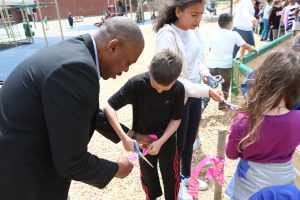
(266, 29)
(168, 163)
(149, 177)
(197, 141)
(225, 84)
(226, 74)
(182, 129)
(193, 124)
(275, 33)
(236, 48)
(270, 35)
(249, 38)
(261, 24)
(186, 158)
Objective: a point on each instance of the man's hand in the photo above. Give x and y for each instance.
(125, 167)
(216, 95)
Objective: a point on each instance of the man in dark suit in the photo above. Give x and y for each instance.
(49, 109)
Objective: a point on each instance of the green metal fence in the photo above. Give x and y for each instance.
(243, 66)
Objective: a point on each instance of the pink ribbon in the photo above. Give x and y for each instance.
(216, 171)
(153, 137)
(132, 157)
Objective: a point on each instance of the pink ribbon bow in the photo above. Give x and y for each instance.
(216, 171)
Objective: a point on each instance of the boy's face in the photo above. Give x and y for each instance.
(160, 88)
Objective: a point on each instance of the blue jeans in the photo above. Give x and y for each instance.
(247, 36)
(266, 30)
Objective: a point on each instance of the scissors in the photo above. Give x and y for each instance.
(137, 150)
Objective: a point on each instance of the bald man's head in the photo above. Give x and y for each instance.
(119, 43)
(123, 29)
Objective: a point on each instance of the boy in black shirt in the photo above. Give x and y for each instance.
(157, 100)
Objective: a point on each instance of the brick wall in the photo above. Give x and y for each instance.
(77, 7)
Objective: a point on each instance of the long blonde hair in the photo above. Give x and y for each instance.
(278, 77)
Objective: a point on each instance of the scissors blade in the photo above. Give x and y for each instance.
(145, 159)
(137, 150)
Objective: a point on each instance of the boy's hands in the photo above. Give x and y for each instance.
(141, 139)
(154, 147)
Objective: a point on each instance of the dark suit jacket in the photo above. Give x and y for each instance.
(48, 111)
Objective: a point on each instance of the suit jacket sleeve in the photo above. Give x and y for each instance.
(104, 128)
(70, 99)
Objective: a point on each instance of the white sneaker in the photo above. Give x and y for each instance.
(196, 144)
(202, 185)
(183, 193)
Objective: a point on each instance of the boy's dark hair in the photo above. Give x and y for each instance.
(225, 19)
(165, 67)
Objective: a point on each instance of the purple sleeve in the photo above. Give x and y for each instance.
(237, 129)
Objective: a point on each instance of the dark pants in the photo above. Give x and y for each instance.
(261, 24)
(226, 74)
(247, 36)
(168, 163)
(186, 133)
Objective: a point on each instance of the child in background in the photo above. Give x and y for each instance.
(260, 18)
(46, 22)
(157, 102)
(274, 19)
(70, 19)
(221, 47)
(265, 132)
(266, 15)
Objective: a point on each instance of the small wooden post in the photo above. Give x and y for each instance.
(59, 21)
(222, 133)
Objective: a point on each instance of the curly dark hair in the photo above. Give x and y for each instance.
(167, 14)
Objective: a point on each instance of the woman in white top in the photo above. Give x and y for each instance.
(267, 12)
(243, 23)
(177, 30)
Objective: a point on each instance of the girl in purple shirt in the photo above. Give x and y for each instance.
(265, 132)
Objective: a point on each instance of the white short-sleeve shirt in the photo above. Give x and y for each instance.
(221, 46)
